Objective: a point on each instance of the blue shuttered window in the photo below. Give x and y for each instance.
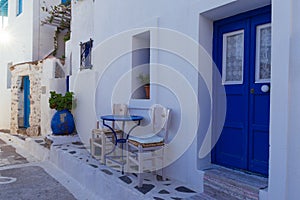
(65, 1)
(86, 54)
(3, 7)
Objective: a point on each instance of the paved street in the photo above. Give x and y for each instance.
(24, 180)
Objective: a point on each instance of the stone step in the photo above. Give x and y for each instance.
(223, 183)
(202, 196)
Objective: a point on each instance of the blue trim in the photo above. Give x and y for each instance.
(20, 7)
(68, 83)
(26, 101)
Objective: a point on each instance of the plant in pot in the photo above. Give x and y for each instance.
(145, 81)
(62, 121)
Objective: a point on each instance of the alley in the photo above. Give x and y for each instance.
(22, 178)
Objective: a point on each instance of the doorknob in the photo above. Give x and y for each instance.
(265, 88)
(252, 91)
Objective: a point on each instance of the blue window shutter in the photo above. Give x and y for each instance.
(20, 7)
(3, 7)
(65, 1)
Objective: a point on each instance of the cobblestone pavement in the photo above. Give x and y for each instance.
(20, 180)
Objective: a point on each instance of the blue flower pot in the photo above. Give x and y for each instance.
(62, 123)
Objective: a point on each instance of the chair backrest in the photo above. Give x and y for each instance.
(160, 120)
(120, 109)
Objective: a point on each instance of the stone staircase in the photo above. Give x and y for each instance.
(227, 184)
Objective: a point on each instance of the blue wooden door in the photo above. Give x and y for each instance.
(26, 83)
(242, 52)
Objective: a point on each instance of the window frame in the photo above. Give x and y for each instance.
(86, 57)
(19, 7)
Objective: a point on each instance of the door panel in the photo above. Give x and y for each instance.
(244, 142)
(231, 146)
(26, 101)
(259, 108)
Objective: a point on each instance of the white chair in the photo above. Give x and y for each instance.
(102, 138)
(147, 152)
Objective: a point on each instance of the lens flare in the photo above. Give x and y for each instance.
(4, 37)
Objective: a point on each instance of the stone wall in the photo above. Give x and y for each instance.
(34, 71)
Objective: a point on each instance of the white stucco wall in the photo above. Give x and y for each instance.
(195, 19)
(29, 41)
(284, 134)
(117, 16)
(49, 83)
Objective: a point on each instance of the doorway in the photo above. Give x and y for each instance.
(242, 52)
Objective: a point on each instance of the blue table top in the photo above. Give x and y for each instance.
(122, 117)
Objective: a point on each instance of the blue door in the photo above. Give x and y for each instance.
(26, 85)
(242, 52)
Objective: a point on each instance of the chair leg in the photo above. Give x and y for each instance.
(103, 151)
(162, 165)
(140, 167)
(127, 165)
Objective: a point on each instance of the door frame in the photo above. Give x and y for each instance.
(217, 51)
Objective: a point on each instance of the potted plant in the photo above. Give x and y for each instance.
(62, 121)
(145, 81)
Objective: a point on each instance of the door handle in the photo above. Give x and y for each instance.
(252, 90)
(265, 88)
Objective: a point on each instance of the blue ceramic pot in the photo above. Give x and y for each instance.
(62, 123)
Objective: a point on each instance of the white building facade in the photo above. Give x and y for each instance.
(26, 40)
(117, 28)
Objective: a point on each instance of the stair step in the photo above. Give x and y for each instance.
(201, 196)
(223, 183)
(214, 193)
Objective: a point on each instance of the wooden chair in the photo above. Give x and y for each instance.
(102, 138)
(147, 152)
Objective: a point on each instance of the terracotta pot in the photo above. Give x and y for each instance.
(147, 91)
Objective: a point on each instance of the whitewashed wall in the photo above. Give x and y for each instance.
(195, 19)
(29, 41)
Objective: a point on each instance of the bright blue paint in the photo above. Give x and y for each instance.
(244, 142)
(65, 1)
(62, 123)
(20, 7)
(4, 8)
(26, 89)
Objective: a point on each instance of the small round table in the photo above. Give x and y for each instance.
(122, 141)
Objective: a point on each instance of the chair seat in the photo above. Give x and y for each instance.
(151, 141)
(105, 131)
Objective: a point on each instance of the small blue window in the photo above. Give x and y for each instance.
(3, 8)
(19, 7)
(65, 1)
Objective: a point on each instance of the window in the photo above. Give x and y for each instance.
(86, 54)
(3, 8)
(141, 66)
(8, 76)
(65, 1)
(233, 57)
(263, 54)
(19, 7)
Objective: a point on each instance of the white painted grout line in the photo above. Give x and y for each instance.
(68, 182)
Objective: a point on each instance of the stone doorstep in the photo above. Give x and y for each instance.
(232, 189)
(238, 185)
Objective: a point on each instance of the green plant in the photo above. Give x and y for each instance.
(61, 102)
(144, 78)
